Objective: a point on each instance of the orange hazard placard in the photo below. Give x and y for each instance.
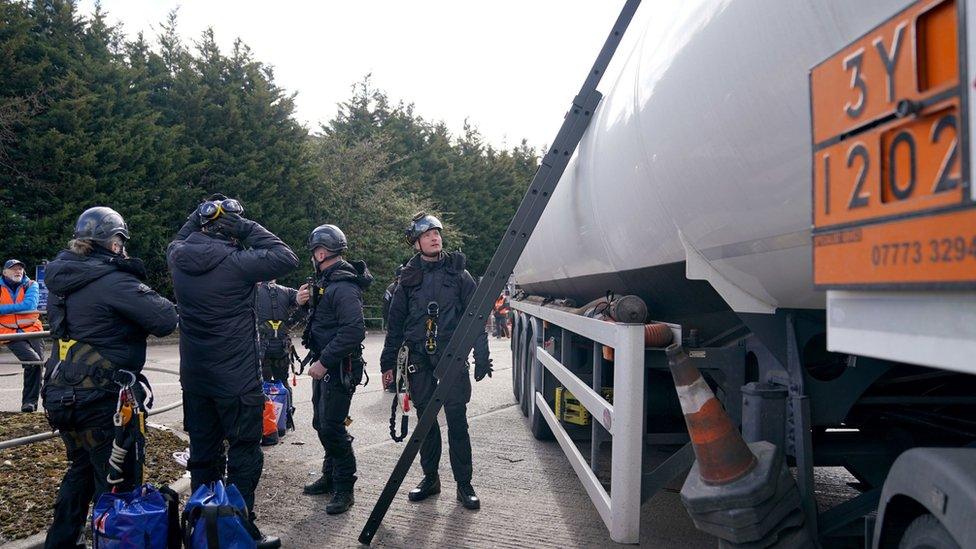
(892, 204)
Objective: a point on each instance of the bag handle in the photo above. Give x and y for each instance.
(172, 500)
(188, 521)
(210, 514)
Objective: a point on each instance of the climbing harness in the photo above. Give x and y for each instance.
(401, 398)
(130, 429)
(297, 365)
(430, 343)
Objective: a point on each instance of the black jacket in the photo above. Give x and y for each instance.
(388, 299)
(446, 282)
(100, 300)
(214, 282)
(337, 328)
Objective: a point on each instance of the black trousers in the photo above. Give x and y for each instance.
(29, 350)
(422, 386)
(87, 433)
(211, 421)
(275, 369)
(330, 407)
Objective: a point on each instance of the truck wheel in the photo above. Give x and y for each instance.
(540, 429)
(517, 337)
(926, 532)
(525, 369)
(518, 362)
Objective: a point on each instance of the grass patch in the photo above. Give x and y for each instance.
(30, 475)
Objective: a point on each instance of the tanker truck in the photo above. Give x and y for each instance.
(772, 207)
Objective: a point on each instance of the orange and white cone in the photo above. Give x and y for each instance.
(722, 454)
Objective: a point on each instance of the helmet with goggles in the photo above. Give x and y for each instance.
(420, 224)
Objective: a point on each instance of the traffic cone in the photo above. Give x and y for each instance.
(722, 454)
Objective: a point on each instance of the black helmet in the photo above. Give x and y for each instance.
(420, 224)
(100, 224)
(329, 237)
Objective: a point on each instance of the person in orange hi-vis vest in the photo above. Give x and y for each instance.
(18, 313)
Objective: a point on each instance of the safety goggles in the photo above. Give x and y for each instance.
(212, 209)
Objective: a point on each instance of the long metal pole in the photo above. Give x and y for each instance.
(20, 336)
(450, 366)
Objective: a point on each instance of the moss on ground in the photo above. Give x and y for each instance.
(30, 475)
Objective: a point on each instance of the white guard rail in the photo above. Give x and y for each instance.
(623, 420)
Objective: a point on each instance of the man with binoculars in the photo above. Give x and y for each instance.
(216, 259)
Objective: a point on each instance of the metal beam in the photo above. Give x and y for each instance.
(599, 409)
(836, 518)
(677, 463)
(20, 336)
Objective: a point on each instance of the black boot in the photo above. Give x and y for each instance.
(321, 486)
(341, 502)
(428, 486)
(467, 497)
(263, 541)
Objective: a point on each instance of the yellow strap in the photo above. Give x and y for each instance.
(275, 325)
(63, 346)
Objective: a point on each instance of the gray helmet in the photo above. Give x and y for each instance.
(329, 237)
(100, 224)
(420, 224)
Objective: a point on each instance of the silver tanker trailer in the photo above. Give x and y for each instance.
(777, 193)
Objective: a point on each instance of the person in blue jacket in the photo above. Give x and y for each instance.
(18, 314)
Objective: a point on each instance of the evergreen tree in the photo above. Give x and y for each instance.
(87, 118)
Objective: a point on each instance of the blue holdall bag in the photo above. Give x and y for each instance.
(280, 397)
(145, 517)
(214, 518)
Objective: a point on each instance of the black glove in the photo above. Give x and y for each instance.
(242, 227)
(192, 225)
(482, 369)
(233, 226)
(194, 220)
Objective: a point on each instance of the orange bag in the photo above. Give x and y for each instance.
(269, 424)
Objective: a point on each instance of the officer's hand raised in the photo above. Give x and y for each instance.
(317, 371)
(482, 370)
(303, 295)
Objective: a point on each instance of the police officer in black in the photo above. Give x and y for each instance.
(427, 305)
(101, 313)
(334, 335)
(274, 306)
(216, 261)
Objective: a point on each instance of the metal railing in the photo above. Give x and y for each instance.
(47, 435)
(621, 422)
(372, 310)
(20, 336)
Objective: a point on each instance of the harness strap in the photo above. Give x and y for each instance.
(65, 345)
(430, 343)
(401, 381)
(275, 325)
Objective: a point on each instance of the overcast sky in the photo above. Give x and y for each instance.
(510, 66)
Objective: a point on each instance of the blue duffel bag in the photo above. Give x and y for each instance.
(144, 517)
(214, 518)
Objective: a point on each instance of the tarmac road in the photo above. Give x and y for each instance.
(530, 494)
